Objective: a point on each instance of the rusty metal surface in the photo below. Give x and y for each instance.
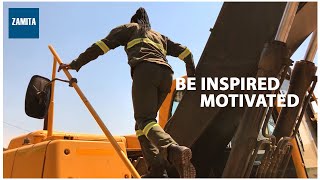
(304, 24)
(232, 50)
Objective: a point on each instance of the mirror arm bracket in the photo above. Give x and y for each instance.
(73, 80)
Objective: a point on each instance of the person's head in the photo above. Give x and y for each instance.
(141, 17)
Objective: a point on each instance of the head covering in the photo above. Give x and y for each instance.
(141, 17)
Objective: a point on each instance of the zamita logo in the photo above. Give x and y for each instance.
(23, 22)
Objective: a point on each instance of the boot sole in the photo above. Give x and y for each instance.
(184, 165)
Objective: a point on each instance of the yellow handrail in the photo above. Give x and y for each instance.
(95, 115)
(51, 106)
(297, 160)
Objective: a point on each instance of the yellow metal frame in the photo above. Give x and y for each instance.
(297, 160)
(166, 106)
(51, 105)
(95, 115)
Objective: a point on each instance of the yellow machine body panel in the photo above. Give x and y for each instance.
(41, 135)
(165, 109)
(83, 159)
(25, 162)
(33, 137)
(132, 143)
(91, 158)
(8, 160)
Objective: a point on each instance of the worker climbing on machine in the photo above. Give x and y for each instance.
(152, 78)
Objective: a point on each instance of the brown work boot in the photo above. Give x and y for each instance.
(180, 157)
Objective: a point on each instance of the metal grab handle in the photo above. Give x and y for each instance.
(286, 161)
(304, 107)
(270, 110)
(265, 160)
(254, 156)
(275, 156)
(95, 115)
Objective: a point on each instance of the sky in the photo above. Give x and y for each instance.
(106, 82)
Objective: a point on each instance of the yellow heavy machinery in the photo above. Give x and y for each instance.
(226, 142)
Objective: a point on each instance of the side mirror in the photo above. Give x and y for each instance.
(38, 97)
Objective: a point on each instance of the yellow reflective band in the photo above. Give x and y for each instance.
(147, 128)
(103, 46)
(139, 133)
(184, 54)
(146, 40)
(134, 42)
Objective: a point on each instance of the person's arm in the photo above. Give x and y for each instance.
(117, 37)
(182, 52)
